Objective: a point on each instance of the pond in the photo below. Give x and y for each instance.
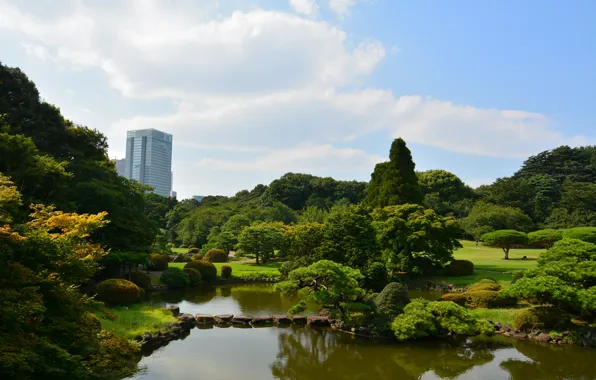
(298, 353)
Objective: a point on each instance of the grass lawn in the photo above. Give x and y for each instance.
(248, 268)
(498, 315)
(179, 250)
(137, 319)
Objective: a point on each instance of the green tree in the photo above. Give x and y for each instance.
(416, 239)
(312, 214)
(545, 238)
(304, 240)
(394, 182)
(262, 240)
(505, 239)
(487, 217)
(442, 190)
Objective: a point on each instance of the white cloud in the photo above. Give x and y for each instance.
(341, 7)
(305, 7)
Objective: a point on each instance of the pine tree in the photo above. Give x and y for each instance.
(394, 182)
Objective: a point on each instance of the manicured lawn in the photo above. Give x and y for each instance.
(137, 319)
(498, 315)
(179, 250)
(247, 269)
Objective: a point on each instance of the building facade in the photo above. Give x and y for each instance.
(120, 166)
(149, 159)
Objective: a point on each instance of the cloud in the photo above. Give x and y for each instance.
(305, 7)
(341, 7)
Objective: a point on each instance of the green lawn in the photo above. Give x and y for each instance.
(179, 250)
(137, 319)
(498, 315)
(246, 269)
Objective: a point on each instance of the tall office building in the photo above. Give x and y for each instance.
(120, 166)
(149, 159)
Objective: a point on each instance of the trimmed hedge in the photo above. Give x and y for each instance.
(539, 318)
(197, 256)
(459, 268)
(581, 233)
(194, 250)
(117, 291)
(458, 298)
(175, 278)
(215, 255)
(484, 284)
(226, 271)
(158, 262)
(194, 276)
(140, 279)
(489, 299)
(208, 270)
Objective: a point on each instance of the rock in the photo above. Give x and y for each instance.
(224, 318)
(174, 309)
(498, 326)
(314, 320)
(545, 338)
(299, 320)
(324, 312)
(520, 335)
(507, 333)
(205, 319)
(363, 331)
(188, 321)
(241, 320)
(506, 327)
(147, 337)
(282, 319)
(263, 320)
(138, 338)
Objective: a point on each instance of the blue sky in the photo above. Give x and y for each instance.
(253, 89)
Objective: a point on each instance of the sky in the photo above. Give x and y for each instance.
(253, 89)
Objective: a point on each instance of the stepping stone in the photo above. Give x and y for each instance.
(264, 320)
(316, 320)
(205, 319)
(299, 319)
(241, 320)
(174, 309)
(224, 318)
(282, 319)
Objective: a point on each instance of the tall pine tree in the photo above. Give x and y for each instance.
(394, 182)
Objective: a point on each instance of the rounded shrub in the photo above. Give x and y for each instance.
(458, 298)
(141, 279)
(208, 270)
(226, 271)
(158, 262)
(392, 299)
(375, 276)
(142, 293)
(581, 233)
(194, 250)
(215, 255)
(539, 318)
(459, 268)
(194, 276)
(484, 285)
(175, 278)
(197, 256)
(544, 238)
(481, 298)
(117, 291)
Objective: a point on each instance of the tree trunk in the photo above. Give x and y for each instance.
(257, 257)
(506, 250)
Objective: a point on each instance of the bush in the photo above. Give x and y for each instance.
(489, 299)
(375, 276)
(226, 271)
(208, 271)
(539, 318)
(587, 234)
(215, 255)
(516, 276)
(194, 276)
(175, 278)
(545, 238)
(484, 285)
(142, 293)
(194, 250)
(197, 256)
(117, 291)
(158, 262)
(392, 299)
(289, 266)
(140, 279)
(458, 298)
(459, 268)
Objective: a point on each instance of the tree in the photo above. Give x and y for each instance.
(261, 240)
(487, 217)
(312, 214)
(442, 190)
(304, 241)
(326, 283)
(505, 239)
(394, 182)
(545, 238)
(416, 239)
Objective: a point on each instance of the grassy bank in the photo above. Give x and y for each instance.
(498, 315)
(246, 269)
(137, 319)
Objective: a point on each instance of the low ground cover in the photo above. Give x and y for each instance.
(136, 319)
(246, 269)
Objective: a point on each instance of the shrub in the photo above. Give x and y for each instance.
(175, 278)
(289, 266)
(226, 271)
(459, 268)
(516, 276)
(539, 318)
(489, 299)
(208, 271)
(194, 250)
(375, 276)
(142, 293)
(158, 262)
(197, 256)
(545, 238)
(215, 255)
(484, 285)
(140, 279)
(392, 299)
(117, 291)
(458, 298)
(587, 234)
(505, 239)
(194, 276)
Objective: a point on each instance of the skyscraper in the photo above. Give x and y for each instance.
(149, 159)
(120, 166)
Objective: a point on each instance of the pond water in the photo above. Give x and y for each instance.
(297, 353)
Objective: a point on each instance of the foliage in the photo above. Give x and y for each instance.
(207, 269)
(486, 217)
(197, 257)
(416, 239)
(158, 262)
(193, 275)
(226, 271)
(349, 237)
(375, 276)
(458, 298)
(565, 277)
(488, 298)
(140, 279)
(516, 276)
(115, 358)
(459, 268)
(215, 255)
(137, 319)
(304, 241)
(175, 278)
(539, 318)
(425, 319)
(261, 239)
(505, 239)
(443, 191)
(391, 301)
(489, 285)
(581, 233)
(545, 238)
(312, 214)
(194, 250)
(117, 291)
(394, 182)
(326, 283)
